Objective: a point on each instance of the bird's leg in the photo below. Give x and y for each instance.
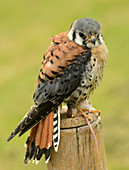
(85, 106)
(88, 110)
(82, 112)
(95, 111)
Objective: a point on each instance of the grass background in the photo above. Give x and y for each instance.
(25, 28)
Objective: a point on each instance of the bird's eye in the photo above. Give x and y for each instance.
(82, 35)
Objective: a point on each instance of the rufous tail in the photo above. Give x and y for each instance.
(42, 136)
(39, 141)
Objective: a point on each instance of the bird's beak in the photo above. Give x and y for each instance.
(92, 39)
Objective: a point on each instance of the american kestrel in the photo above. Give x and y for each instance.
(72, 67)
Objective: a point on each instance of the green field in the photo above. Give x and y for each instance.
(25, 28)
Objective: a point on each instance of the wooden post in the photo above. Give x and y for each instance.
(77, 149)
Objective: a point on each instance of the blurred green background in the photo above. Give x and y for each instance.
(25, 28)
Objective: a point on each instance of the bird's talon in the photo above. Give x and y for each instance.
(83, 113)
(95, 111)
(88, 117)
(99, 113)
(75, 114)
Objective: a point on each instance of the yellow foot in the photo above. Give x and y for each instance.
(95, 111)
(82, 112)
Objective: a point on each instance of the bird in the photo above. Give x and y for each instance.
(71, 69)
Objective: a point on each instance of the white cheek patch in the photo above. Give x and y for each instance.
(70, 35)
(100, 38)
(78, 39)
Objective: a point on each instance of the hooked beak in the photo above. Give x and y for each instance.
(92, 39)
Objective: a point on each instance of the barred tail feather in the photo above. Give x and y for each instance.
(40, 140)
(41, 122)
(56, 128)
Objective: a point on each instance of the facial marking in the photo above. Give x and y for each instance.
(78, 39)
(81, 31)
(72, 31)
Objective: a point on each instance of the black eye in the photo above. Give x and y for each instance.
(82, 35)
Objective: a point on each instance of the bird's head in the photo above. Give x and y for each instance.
(86, 32)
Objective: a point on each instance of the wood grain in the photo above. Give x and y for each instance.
(77, 149)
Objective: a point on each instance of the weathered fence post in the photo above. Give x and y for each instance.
(77, 149)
